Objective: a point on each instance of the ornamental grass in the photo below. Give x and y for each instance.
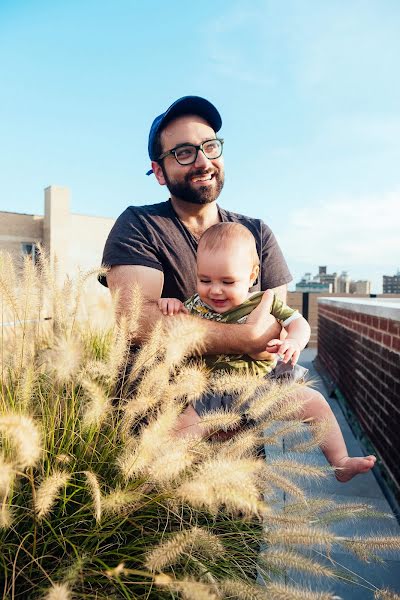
(100, 499)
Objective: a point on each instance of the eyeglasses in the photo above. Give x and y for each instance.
(186, 154)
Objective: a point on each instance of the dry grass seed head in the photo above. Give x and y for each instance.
(273, 478)
(184, 336)
(6, 516)
(99, 407)
(25, 438)
(138, 458)
(191, 382)
(291, 428)
(233, 383)
(318, 433)
(309, 508)
(26, 387)
(217, 419)
(66, 358)
(279, 591)
(351, 511)
(58, 591)
(291, 466)
(234, 484)
(187, 588)
(148, 395)
(48, 490)
(95, 493)
(365, 547)
(195, 540)
(241, 445)
(174, 456)
(150, 352)
(7, 475)
(118, 357)
(386, 594)
(284, 559)
(241, 590)
(120, 501)
(277, 400)
(301, 535)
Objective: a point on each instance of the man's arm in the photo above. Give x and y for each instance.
(281, 292)
(246, 338)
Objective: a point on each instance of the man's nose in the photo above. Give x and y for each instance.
(201, 161)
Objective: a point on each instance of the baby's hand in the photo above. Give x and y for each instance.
(171, 306)
(288, 349)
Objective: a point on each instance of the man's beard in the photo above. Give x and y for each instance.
(199, 195)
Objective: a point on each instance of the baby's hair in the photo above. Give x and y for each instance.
(224, 234)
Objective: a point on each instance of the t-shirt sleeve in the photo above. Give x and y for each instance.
(282, 312)
(274, 270)
(130, 243)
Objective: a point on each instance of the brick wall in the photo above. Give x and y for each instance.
(307, 304)
(359, 348)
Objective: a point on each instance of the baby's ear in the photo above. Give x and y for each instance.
(254, 275)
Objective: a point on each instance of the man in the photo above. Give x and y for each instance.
(155, 246)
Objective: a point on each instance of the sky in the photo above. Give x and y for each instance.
(308, 90)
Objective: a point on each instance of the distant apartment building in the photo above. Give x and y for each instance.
(326, 278)
(360, 287)
(308, 284)
(73, 239)
(332, 283)
(391, 283)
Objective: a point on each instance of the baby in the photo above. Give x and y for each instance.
(227, 266)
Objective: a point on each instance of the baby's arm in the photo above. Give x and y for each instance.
(298, 334)
(171, 306)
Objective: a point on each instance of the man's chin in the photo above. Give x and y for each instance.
(199, 195)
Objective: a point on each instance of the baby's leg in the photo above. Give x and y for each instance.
(317, 408)
(188, 424)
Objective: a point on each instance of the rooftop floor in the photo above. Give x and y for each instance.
(362, 489)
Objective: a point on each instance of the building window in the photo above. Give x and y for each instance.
(29, 249)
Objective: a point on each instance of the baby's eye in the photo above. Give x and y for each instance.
(204, 281)
(228, 282)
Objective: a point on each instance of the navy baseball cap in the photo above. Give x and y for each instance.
(188, 105)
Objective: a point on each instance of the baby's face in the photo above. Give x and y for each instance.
(224, 277)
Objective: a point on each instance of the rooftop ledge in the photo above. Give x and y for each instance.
(386, 308)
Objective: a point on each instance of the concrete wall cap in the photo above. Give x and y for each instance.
(387, 308)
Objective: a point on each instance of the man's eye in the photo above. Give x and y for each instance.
(210, 146)
(184, 152)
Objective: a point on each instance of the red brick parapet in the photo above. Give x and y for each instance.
(359, 348)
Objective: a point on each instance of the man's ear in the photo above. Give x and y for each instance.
(254, 275)
(158, 172)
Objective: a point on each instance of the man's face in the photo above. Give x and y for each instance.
(200, 182)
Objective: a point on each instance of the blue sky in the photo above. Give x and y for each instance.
(308, 90)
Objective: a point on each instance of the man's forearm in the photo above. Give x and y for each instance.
(238, 339)
(218, 337)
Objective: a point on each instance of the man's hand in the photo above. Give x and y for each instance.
(288, 349)
(259, 323)
(171, 306)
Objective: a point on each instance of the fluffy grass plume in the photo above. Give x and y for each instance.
(195, 539)
(58, 591)
(99, 498)
(47, 492)
(24, 436)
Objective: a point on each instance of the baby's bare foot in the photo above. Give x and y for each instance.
(348, 467)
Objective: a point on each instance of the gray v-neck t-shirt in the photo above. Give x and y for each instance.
(154, 236)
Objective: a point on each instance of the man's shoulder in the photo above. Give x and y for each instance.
(161, 209)
(254, 224)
